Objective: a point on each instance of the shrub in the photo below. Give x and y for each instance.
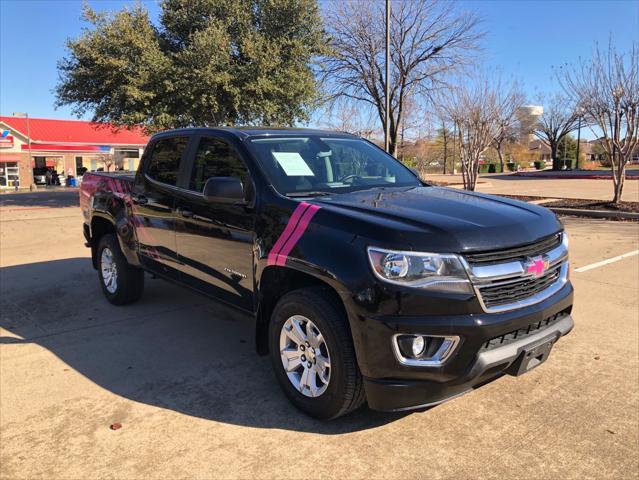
(483, 167)
(512, 166)
(494, 168)
(565, 164)
(540, 165)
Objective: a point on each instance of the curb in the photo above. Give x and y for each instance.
(580, 212)
(571, 176)
(439, 183)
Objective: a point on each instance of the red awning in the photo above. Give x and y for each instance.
(4, 158)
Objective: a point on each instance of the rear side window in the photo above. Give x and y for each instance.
(166, 156)
(215, 158)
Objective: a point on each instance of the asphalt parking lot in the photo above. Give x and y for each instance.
(180, 374)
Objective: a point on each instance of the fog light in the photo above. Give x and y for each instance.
(413, 346)
(418, 346)
(423, 350)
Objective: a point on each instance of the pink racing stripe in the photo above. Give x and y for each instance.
(288, 230)
(297, 234)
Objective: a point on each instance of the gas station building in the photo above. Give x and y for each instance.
(31, 146)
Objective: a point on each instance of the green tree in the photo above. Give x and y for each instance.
(567, 148)
(208, 62)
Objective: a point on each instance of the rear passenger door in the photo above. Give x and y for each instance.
(153, 204)
(215, 240)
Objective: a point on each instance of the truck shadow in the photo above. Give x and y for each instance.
(173, 349)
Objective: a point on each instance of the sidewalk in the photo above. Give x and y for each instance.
(543, 186)
(631, 174)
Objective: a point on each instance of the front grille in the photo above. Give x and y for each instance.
(517, 253)
(504, 279)
(523, 332)
(514, 290)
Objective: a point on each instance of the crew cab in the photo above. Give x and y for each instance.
(366, 284)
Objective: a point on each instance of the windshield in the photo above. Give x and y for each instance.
(319, 164)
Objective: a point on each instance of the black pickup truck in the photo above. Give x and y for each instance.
(366, 284)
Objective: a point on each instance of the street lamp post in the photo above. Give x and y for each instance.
(578, 139)
(445, 134)
(454, 148)
(26, 115)
(387, 86)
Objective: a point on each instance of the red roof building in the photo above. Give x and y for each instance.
(31, 146)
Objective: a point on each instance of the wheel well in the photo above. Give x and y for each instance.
(274, 284)
(99, 227)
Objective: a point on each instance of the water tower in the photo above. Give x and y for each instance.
(528, 116)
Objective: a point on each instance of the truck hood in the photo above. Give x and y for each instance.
(442, 219)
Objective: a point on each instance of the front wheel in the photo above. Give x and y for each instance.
(313, 356)
(120, 282)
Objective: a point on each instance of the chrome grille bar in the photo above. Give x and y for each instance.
(516, 253)
(506, 286)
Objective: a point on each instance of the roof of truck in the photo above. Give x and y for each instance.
(246, 132)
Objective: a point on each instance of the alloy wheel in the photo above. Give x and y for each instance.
(109, 271)
(305, 356)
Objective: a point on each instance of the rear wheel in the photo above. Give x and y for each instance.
(120, 282)
(313, 356)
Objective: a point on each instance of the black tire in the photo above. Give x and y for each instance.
(345, 390)
(129, 283)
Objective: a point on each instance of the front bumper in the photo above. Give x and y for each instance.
(391, 386)
(397, 395)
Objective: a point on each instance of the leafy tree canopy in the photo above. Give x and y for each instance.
(209, 62)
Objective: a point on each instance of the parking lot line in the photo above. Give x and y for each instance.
(606, 262)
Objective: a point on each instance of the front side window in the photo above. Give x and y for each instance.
(296, 165)
(215, 158)
(166, 156)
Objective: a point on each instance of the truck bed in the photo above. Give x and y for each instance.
(118, 183)
(130, 176)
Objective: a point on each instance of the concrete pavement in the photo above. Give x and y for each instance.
(505, 184)
(179, 372)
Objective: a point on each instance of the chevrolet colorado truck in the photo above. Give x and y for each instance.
(366, 284)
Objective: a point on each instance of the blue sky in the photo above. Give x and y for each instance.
(525, 38)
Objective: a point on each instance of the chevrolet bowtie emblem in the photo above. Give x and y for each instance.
(536, 266)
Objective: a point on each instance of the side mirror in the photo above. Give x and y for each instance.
(223, 190)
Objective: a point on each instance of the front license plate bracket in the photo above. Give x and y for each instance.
(532, 356)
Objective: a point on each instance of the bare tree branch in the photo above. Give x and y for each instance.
(558, 120)
(606, 88)
(477, 109)
(430, 39)
(508, 122)
(344, 115)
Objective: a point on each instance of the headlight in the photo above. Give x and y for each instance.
(428, 271)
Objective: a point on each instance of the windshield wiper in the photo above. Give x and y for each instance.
(308, 194)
